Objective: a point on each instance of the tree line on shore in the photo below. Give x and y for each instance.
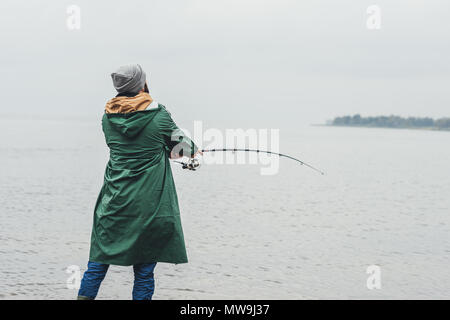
(392, 122)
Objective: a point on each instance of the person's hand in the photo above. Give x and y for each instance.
(175, 155)
(199, 152)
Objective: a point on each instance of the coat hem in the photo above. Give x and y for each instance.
(126, 264)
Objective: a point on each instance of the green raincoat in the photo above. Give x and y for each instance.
(137, 218)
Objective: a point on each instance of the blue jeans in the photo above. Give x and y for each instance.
(144, 282)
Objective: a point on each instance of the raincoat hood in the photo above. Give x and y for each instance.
(128, 115)
(131, 124)
(126, 104)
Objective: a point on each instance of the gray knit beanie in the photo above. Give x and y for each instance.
(129, 78)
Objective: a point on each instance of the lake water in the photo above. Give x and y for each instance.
(385, 200)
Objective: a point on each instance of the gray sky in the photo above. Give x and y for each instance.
(232, 63)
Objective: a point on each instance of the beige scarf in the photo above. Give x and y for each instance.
(125, 104)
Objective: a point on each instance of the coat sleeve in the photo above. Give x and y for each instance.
(175, 139)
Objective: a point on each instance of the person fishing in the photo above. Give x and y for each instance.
(136, 216)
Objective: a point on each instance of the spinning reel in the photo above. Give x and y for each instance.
(192, 164)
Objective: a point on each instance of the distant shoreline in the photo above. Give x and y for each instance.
(391, 122)
(373, 127)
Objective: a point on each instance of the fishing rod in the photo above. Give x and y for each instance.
(193, 163)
